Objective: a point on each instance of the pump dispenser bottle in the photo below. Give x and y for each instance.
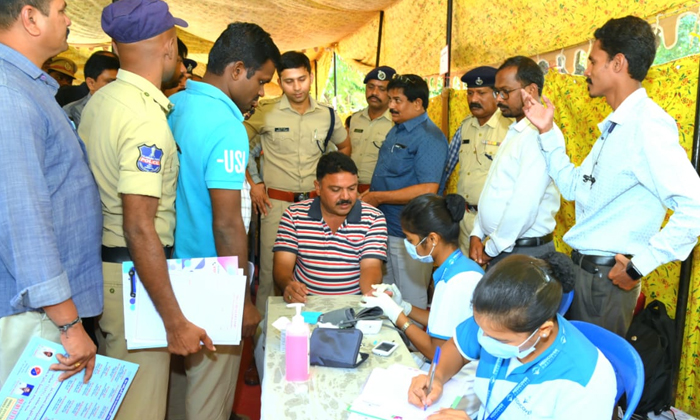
(297, 347)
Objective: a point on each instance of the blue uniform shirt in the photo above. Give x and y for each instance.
(51, 217)
(414, 152)
(213, 144)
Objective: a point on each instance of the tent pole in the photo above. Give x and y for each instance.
(446, 83)
(449, 44)
(687, 265)
(335, 76)
(379, 37)
(316, 78)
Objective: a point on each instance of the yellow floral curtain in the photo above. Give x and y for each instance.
(674, 87)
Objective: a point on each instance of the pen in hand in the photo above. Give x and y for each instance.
(433, 367)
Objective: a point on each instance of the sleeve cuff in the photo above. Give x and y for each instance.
(49, 292)
(140, 184)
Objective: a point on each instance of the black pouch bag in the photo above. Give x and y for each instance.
(336, 348)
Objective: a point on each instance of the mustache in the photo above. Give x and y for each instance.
(393, 112)
(475, 105)
(372, 96)
(342, 202)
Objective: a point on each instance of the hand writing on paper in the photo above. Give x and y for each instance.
(618, 274)
(80, 353)
(419, 385)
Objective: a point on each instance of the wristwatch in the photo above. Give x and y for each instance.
(405, 326)
(66, 327)
(633, 272)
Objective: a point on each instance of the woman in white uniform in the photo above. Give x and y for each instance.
(431, 225)
(533, 364)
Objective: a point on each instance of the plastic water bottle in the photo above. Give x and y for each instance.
(297, 347)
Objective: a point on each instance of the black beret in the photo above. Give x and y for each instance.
(380, 73)
(480, 77)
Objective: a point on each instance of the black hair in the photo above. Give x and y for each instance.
(631, 37)
(245, 42)
(10, 10)
(521, 292)
(293, 60)
(528, 71)
(414, 87)
(433, 213)
(99, 62)
(182, 50)
(333, 163)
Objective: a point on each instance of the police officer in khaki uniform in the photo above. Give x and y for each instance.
(293, 130)
(134, 159)
(369, 126)
(475, 144)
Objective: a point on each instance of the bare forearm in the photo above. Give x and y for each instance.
(368, 277)
(149, 259)
(347, 150)
(404, 195)
(62, 313)
(451, 361)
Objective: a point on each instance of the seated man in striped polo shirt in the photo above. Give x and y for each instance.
(333, 244)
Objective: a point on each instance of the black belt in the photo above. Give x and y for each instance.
(529, 242)
(121, 254)
(590, 263)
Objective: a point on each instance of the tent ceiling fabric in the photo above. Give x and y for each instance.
(293, 24)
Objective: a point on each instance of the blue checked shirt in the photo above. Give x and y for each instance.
(50, 213)
(453, 154)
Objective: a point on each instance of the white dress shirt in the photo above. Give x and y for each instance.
(519, 199)
(640, 170)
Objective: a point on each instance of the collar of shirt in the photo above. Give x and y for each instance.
(15, 58)
(521, 125)
(354, 216)
(149, 89)
(365, 114)
(284, 104)
(201, 88)
(441, 273)
(491, 123)
(626, 110)
(558, 343)
(413, 122)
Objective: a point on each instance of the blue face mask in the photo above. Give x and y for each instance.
(414, 253)
(505, 351)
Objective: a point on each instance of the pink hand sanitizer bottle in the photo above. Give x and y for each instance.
(297, 347)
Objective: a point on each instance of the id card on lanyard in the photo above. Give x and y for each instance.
(501, 407)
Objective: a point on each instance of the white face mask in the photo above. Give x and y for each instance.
(505, 351)
(413, 252)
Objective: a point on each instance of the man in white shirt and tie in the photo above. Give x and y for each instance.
(519, 200)
(635, 172)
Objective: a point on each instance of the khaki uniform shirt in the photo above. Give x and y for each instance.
(131, 151)
(292, 143)
(479, 147)
(366, 137)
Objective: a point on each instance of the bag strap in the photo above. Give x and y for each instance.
(330, 130)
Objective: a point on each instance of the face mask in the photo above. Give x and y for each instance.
(414, 253)
(505, 351)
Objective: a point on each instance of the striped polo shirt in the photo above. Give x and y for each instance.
(329, 263)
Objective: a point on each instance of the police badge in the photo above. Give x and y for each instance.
(479, 82)
(149, 158)
(381, 75)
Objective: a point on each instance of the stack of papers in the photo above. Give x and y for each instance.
(33, 392)
(385, 395)
(210, 292)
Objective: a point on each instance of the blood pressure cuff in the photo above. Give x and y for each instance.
(346, 317)
(333, 347)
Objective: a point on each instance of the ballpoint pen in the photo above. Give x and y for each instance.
(433, 367)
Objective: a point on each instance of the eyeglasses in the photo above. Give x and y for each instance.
(504, 94)
(404, 78)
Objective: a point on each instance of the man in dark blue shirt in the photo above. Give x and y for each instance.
(410, 164)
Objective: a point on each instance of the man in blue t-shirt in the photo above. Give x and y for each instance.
(410, 163)
(207, 123)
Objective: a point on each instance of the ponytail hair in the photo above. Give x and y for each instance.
(433, 213)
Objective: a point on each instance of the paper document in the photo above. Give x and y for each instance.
(32, 391)
(385, 395)
(210, 292)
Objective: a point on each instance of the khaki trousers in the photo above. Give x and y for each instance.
(268, 233)
(211, 377)
(466, 226)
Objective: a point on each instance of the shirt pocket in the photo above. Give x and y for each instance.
(282, 141)
(400, 161)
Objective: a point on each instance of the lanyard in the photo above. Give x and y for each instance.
(501, 407)
(449, 264)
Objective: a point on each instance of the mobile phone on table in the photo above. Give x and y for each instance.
(384, 348)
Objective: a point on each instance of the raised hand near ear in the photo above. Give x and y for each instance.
(539, 116)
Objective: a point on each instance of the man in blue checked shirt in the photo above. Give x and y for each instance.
(411, 163)
(634, 173)
(50, 217)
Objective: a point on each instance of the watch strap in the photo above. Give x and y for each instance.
(64, 328)
(405, 326)
(632, 271)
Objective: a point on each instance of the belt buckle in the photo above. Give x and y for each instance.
(300, 197)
